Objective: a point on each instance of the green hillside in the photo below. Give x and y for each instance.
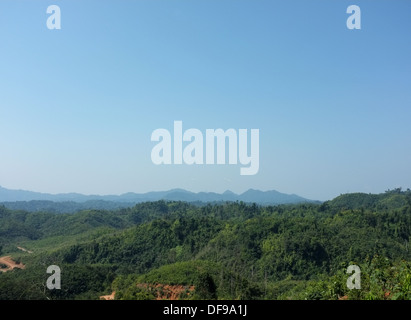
(226, 251)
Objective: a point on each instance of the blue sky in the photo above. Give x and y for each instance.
(78, 105)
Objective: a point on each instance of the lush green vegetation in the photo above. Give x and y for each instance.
(227, 251)
(64, 206)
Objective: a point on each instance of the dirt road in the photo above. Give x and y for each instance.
(25, 250)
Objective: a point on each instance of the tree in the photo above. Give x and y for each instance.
(205, 287)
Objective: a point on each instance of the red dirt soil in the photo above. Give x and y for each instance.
(161, 291)
(108, 297)
(167, 291)
(8, 261)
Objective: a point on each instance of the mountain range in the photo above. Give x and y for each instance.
(250, 196)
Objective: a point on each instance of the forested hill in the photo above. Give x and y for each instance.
(226, 251)
(391, 199)
(64, 206)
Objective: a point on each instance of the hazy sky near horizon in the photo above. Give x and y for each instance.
(78, 105)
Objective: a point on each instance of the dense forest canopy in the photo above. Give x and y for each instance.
(225, 251)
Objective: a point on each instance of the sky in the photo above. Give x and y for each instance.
(78, 105)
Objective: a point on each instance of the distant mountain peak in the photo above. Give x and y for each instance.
(179, 190)
(178, 194)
